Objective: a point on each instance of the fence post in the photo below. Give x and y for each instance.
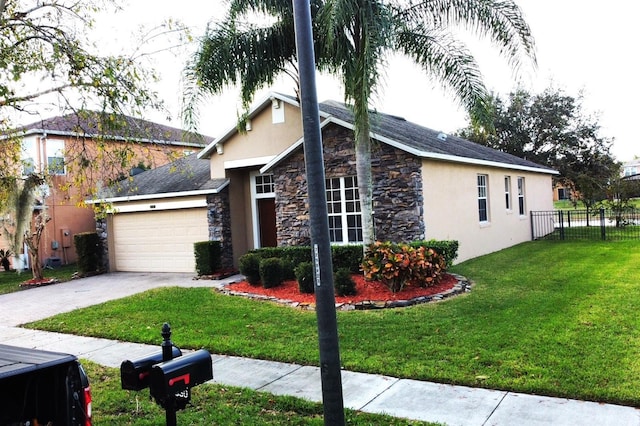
(561, 220)
(603, 232)
(531, 223)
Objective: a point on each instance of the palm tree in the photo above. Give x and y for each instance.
(353, 39)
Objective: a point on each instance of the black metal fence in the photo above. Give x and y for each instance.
(601, 224)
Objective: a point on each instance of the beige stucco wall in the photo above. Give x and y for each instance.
(451, 206)
(265, 139)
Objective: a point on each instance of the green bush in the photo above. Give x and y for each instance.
(208, 256)
(249, 265)
(343, 283)
(304, 276)
(270, 272)
(288, 269)
(347, 257)
(89, 251)
(446, 248)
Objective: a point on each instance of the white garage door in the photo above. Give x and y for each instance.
(160, 241)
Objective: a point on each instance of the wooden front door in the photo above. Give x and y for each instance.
(267, 222)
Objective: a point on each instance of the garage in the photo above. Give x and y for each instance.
(157, 241)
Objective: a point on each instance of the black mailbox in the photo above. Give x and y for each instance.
(134, 375)
(174, 377)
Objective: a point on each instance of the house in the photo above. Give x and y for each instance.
(63, 145)
(631, 169)
(426, 185)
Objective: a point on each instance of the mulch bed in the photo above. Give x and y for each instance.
(39, 283)
(370, 294)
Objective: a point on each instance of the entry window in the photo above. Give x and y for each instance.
(264, 184)
(521, 206)
(507, 192)
(483, 200)
(343, 206)
(55, 157)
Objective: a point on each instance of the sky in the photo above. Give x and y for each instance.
(581, 46)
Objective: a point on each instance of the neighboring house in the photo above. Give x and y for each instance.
(631, 169)
(58, 145)
(427, 185)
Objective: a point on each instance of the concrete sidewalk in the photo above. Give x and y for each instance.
(452, 405)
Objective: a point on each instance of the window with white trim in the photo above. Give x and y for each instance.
(483, 199)
(521, 206)
(507, 192)
(55, 157)
(343, 206)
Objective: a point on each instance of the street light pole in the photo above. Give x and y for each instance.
(318, 217)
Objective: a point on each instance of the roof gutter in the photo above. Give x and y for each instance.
(143, 197)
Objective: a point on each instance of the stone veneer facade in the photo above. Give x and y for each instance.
(397, 191)
(219, 219)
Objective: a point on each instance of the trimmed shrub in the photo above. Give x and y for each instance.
(208, 256)
(249, 265)
(291, 256)
(271, 272)
(89, 251)
(347, 257)
(288, 269)
(448, 249)
(343, 283)
(304, 276)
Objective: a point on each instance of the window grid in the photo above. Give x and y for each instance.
(343, 207)
(264, 184)
(483, 200)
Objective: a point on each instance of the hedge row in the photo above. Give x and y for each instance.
(350, 256)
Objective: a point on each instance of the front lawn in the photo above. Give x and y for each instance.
(551, 318)
(212, 405)
(10, 280)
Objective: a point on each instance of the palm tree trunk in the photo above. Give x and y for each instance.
(365, 179)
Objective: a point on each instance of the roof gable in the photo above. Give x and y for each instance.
(253, 112)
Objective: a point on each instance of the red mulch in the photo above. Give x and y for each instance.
(366, 291)
(38, 283)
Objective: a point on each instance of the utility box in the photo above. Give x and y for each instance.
(52, 262)
(65, 237)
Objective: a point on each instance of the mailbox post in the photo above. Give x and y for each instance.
(170, 407)
(168, 374)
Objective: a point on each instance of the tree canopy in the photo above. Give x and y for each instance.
(552, 129)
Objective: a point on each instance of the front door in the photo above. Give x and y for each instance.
(267, 221)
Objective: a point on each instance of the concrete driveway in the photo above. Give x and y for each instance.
(37, 303)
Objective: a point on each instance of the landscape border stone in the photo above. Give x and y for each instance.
(463, 285)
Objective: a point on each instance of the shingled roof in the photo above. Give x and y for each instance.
(185, 176)
(115, 127)
(428, 143)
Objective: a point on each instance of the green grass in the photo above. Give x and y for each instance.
(551, 318)
(10, 281)
(568, 204)
(211, 405)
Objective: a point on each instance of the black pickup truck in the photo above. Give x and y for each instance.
(42, 388)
